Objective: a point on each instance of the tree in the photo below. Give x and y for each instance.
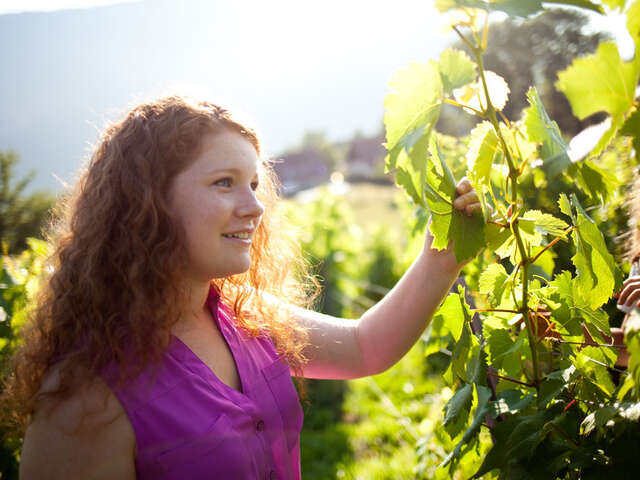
(21, 216)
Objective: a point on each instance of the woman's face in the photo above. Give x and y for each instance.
(214, 199)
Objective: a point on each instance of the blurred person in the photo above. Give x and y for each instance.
(175, 312)
(629, 295)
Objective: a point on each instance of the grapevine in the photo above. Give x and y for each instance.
(528, 376)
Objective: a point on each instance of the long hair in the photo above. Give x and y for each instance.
(110, 294)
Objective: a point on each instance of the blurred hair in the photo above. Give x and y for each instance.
(631, 239)
(110, 295)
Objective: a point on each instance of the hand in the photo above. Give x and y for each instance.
(630, 293)
(467, 200)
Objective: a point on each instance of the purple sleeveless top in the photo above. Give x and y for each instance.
(190, 425)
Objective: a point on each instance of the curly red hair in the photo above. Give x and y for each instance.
(110, 294)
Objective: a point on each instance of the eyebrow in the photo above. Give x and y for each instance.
(235, 171)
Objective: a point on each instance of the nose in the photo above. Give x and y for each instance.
(250, 206)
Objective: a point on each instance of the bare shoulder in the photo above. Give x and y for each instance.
(86, 436)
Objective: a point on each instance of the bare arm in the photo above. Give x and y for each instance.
(342, 349)
(62, 446)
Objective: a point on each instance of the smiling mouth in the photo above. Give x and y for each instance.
(241, 235)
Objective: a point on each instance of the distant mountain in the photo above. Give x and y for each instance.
(288, 67)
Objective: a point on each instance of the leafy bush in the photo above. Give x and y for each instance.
(528, 376)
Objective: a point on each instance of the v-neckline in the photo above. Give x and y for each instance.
(213, 304)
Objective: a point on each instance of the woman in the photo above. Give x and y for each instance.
(165, 338)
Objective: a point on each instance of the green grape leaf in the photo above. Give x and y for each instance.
(411, 169)
(515, 438)
(565, 206)
(499, 240)
(545, 263)
(410, 180)
(592, 180)
(601, 82)
(542, 130)
(546, 223)
(504, 352)
(597, 275)
(461, 353)
(474, 96)
(435, 337)
(530, 235)
(483, 395)
(555, 383)
(412, 109)
(597, 419)
(499, 344)
(447, 223)
(457, 409)
(633, 22)
(484, 147)
(509, 401)
(631, 128)
(454, 312)
(567, 290)
(493, 282)
(456, 69)
(477, 365)
(591, 363)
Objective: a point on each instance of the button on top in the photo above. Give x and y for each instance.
(260, 426)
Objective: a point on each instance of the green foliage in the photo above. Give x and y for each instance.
(588, 93)
(18, 284)
(544, 280)
(21, 216)
(552, 40)
(597, 274)
(545, 132)
(412, 110)
(456, 69)
(447, 223)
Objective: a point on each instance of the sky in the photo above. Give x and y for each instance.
(16, 6)
(288, 66)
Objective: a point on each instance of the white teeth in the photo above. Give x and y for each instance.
(242, 235)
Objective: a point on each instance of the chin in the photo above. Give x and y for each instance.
(237, 269)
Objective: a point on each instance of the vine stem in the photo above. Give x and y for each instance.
(502, 225)
(502, 310)
(564, 434)
(460, 105)
(551, 244)
(598, 345)
(509, 379)
(514, 173)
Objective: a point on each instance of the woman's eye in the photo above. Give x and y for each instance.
(254, 186)
(223, 182)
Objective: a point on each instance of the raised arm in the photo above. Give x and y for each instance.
(342, 349)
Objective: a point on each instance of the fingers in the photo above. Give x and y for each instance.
(630, 293)
(463, 186)
(467, 200)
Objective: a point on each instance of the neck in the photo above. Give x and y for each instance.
(194, 309)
